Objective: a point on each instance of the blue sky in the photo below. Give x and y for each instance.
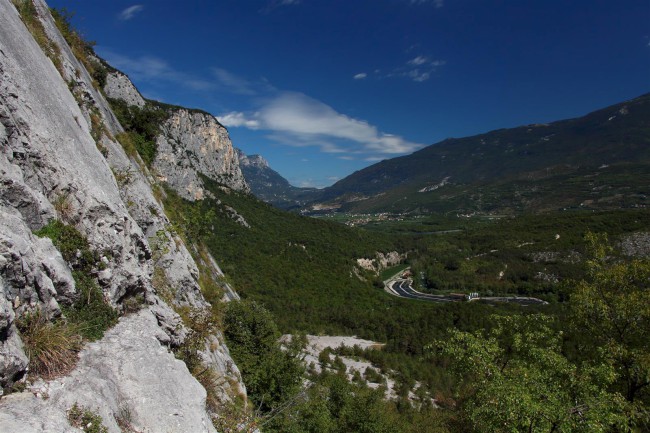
(322, 88)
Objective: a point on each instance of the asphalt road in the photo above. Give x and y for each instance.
(403, 289)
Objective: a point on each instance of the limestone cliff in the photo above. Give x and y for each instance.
(59, 160)
(191, 144)
(119, 86)
(194, 143)
(256, 161)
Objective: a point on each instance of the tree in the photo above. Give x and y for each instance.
(514, 378)
(613, 307)
(270, 374)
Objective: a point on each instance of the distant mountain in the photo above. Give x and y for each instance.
(601, 160)
(268, 185)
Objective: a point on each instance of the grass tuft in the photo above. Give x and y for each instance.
(52, 347)
(29, 15)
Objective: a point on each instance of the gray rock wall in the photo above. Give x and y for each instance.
(192, 143)
(119, 86)
(51, 167)
(127, 372)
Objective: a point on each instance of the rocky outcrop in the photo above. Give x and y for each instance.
(381, 261)
(33, 271)
(192, 144)
(58, 159)
(268, 185)
(119, 86)
(128, 374)
(256, 161)
(49, 153)
(636, 245)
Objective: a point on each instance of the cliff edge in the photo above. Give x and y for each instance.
(62, 170)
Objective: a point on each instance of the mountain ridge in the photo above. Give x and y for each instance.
(617, 134)
(268, 185)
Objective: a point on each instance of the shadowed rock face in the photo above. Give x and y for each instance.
(52, 167)
(268, 185)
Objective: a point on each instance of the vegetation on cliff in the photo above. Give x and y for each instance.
(581, 366)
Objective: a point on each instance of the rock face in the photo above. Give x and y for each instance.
(254, 161)
(119, 86)
(381, 261)
(127, 372)
(636, 245)
(191, 144)
(49, 154)
(58, 159)
(268, 185)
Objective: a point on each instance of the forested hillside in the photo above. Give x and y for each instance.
(599, 161)
(127, 240)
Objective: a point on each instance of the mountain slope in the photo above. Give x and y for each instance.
(84, 238)
(510, 169)
(268, 185)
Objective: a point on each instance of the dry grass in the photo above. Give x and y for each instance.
(29, 15)
(63, 206)
(52, 347)
(231, 418)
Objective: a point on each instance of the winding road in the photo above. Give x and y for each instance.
(402, 288)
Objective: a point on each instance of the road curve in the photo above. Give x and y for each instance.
(402, 288)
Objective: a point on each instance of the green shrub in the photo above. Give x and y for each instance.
(271, 375)
(72, 245)
(145, 147)
(86, 420)
(142, 126)
(90, 313)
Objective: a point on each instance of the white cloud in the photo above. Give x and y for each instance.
(360, 76)
(307, 183)
(298, 120)
(274, 4)
(154, 69)
(418, 76)
(130, 12)
(238, 119)
(418, 69)
(233, 82)
(296, 113)
(419, 60)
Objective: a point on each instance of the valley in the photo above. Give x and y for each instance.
(155, 278)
